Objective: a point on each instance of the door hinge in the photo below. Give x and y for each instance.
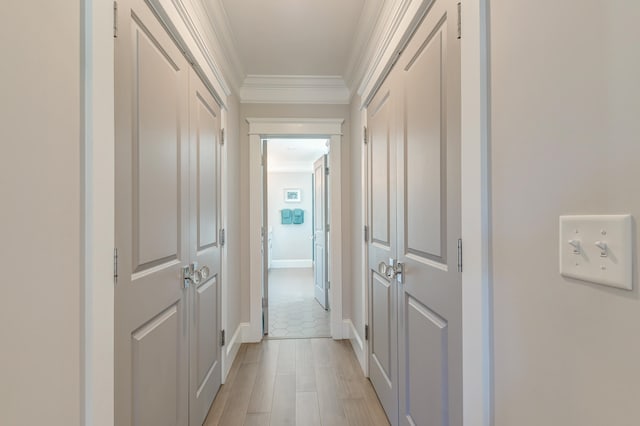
(265, 302)
(366, 234)
(328, 285)
(326, 171)
(365, 136)
(366, 332)
(327, 227)
(115, 19)
(223, 340)
(115, 265)
(459, 255)
(222, 237)
(459, 20)
(221, 136)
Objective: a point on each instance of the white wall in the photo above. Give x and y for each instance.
(290, 242)
(293, 111)
(40, 216)
(564, 140)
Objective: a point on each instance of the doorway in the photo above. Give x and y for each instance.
(295, 283)
(271, 128)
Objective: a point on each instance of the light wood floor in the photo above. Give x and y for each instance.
(296, 382)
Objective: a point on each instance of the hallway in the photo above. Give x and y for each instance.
(296, 382)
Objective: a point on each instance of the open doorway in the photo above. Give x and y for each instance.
(296, 281)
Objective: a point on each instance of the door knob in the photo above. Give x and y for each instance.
(204, 272)
(391, 271)
(190, 274)
(382, 268)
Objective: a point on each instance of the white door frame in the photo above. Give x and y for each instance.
(476, 281)
(98, 215)
(265, 128)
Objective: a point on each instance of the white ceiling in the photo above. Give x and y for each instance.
(297, 37)
(294, 155)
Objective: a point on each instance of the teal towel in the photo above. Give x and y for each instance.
(287, 216)
(298, 216)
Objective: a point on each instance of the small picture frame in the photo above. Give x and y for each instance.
(293, 195)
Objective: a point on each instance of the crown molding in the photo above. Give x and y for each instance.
(395, 27)
(294, 89)
(364, 37)
(218, 22)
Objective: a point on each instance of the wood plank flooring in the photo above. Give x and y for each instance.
(296, 382)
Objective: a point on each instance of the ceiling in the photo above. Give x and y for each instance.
(298, 37)
(294, 155)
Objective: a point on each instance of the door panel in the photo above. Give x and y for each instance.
(156, 181)
(381, 298)
(160, 373)
(206, 339)
(205, 350)
(425, 172)
(383, 302)
(152, 190)
(427, 348)
(320, 231)
(380, 131)
(430, 347)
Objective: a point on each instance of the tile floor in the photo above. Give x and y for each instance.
(293, 309)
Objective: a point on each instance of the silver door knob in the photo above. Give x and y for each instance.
(204, 271)
(382, 268)
(393, 270)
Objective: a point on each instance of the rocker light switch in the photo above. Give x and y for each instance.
(598, 249)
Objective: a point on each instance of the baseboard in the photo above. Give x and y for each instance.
(291, 263)
(357, 343)
(231, 348)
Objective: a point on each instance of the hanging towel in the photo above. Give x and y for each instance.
(298, 216)
(287, 216)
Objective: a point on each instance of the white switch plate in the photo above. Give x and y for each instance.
(580, 258)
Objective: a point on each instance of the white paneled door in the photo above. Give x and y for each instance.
(167, 348)
(383, 291)
(204, 246)
(321, 289)
(422, 285)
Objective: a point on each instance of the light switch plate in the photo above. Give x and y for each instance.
(598, 249)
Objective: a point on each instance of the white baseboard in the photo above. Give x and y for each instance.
(291, 263)
(357, 343)
(230, 349)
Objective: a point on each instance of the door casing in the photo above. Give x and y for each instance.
(265, 128)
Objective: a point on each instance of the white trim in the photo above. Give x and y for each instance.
(294, 89)
(357, 343)
(98, 181)
(476, 283)
(231, 349)
(364, 245)
(217, 21)
(178, 18)
(379, 50)
(290, 127)
(291, 263)
(260, 128)
(291, 167)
